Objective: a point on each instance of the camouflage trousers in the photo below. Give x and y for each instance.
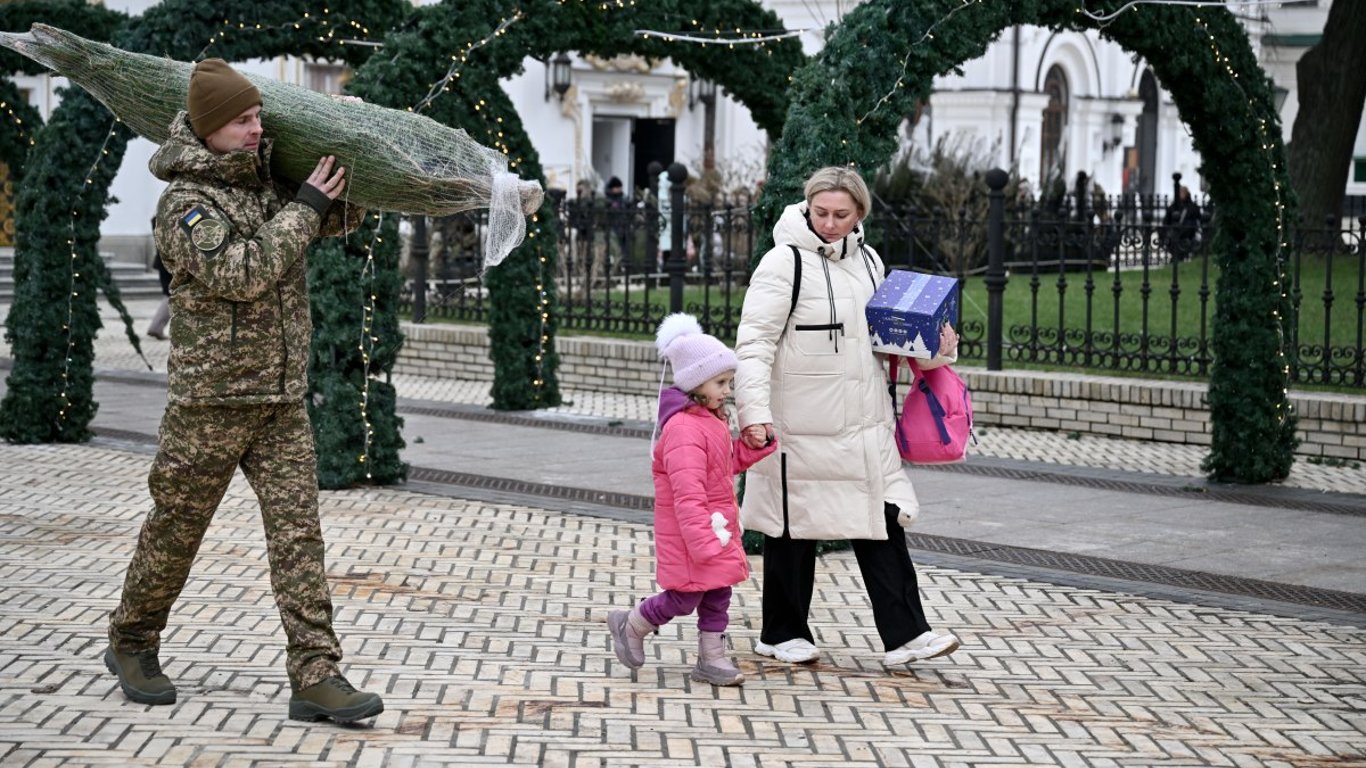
(201, 447)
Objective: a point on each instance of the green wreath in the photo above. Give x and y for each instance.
(846, 106)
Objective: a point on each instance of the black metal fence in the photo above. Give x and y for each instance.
(1099, 283)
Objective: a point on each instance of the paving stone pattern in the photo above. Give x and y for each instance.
(482, 626)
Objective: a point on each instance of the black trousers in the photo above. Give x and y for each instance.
(888, 574)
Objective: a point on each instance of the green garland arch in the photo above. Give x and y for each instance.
(90, 21)
(522, 346)
(18, 136)
(884, 56)
(49, 391)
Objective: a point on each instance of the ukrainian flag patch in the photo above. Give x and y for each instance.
(193, 217)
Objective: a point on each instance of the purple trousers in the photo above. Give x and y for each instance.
(712, 606)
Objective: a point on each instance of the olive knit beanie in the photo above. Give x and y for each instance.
(218, 93)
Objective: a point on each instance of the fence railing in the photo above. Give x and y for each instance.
(1116, 284)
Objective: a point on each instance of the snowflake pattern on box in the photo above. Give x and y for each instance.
(906, 311)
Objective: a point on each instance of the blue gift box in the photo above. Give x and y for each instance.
(907, 310)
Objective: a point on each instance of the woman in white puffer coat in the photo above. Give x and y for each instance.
(808, 373)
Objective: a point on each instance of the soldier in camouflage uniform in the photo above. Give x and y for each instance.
(234, 241)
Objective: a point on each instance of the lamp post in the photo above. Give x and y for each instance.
(706, 93)
(557, 75)
(1116, 136)
(996, 273)
(677, 263)
(1278, 96)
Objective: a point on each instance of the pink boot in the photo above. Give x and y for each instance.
(629, 629)
(713, 666)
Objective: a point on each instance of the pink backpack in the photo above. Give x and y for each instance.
(936, 418)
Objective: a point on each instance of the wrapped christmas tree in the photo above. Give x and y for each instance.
(396, 160)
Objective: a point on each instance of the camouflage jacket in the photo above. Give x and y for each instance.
(234, 241)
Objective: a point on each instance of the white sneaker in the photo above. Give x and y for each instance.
(927, 646)
(795, 651)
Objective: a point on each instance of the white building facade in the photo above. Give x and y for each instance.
(1043, 101)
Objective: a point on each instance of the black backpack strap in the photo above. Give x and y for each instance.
(796, 279)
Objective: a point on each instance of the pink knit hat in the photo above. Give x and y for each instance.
(695, 357)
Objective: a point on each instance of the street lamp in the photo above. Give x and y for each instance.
(557, 72)
(705, 91)
(1116, 136)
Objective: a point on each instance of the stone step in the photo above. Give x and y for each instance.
(134, 280)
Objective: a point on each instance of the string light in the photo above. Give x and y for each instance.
(368, 339)
(18, 121)
(325, 18)
(458, 60)
(1267, 146)
(906, 60)
(74, 287)
(1106, 18)
(718, 37)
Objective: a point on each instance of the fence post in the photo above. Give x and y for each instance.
(996, 269)
(418, 253)
(677, 262)
(1176, 185)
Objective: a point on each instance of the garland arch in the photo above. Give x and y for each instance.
(846, 106)
(20, 123)
(66, 188)
(493, 38)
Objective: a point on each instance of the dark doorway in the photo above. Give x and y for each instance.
(654, 143)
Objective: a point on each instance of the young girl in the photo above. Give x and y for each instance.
(697, 527)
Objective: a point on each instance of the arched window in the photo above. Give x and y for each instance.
(1054, 123)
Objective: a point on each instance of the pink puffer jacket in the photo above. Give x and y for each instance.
(695, 463)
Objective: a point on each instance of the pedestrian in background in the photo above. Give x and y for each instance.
(807, 371)
(1182, 225)
(698, 551)
(157, 328)
(234, 241)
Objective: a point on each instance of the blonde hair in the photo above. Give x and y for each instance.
(836, 178)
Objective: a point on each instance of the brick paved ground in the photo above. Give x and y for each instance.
(482, 626)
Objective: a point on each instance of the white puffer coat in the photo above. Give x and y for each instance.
(815, 377)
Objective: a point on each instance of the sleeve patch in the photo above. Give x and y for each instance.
(207, 233)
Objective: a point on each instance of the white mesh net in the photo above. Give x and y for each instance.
(396, 160)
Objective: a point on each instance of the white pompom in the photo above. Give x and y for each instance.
(673, 326)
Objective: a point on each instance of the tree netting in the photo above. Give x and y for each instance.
(396, 160)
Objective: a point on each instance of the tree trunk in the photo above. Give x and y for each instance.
(1331, 78)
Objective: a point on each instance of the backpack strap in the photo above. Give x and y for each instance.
(893, 364)
(796, 279)
(919, 382)
(936, 408)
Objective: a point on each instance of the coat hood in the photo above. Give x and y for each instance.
(672, 401)
(794, 228)
(184, 154)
